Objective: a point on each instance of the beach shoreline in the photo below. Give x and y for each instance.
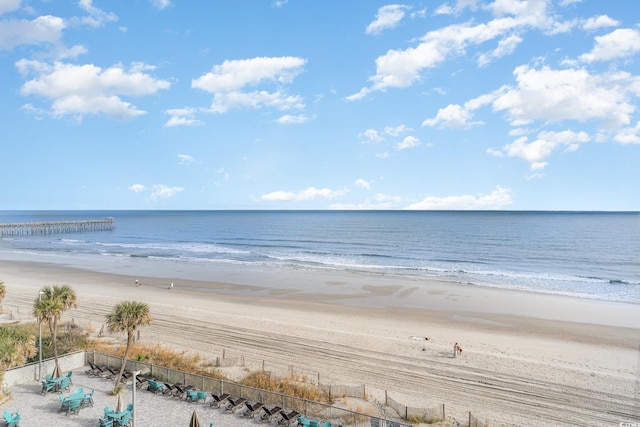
(358, 330)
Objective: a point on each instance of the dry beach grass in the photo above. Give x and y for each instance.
(528, 359)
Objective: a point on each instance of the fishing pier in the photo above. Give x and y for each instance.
(56, 227)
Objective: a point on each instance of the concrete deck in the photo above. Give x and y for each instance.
(37, 410)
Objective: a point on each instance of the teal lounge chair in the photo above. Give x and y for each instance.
(74, 406)
(87, 399)
(105, 422)
(12, 418)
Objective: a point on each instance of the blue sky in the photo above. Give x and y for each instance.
(292, 104)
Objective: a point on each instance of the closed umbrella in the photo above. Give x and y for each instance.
(119, 404)
(195, 422)
(56, 372)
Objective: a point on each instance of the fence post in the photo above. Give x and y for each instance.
(443, 415)
(469, 418)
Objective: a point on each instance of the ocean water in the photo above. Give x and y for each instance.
(581, 254)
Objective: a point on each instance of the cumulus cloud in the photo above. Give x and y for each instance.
(497, 199)
(161, 4)
(407, 142)
(380, 202)
(228, 83)
(451, 116)
(137, 188)
(87, 89)
(310, 193)
(161, 191)
(43, 29)
(289, 119)
(535, 152)
(600, 21)
(628, 135)
(363, 184)
(388, 16)
(185, 159)
(182, 117)
(621, 43)
(506, 46)
(372, 135)
(97, 17)
(9, 6)
(401, 68)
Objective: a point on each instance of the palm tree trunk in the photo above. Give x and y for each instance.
(124, 360)
(54, 337)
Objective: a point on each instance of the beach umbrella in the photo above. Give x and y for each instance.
(56, 372)
(195, 422)
(119, 404)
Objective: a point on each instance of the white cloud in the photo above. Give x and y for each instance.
(310, 193)
(388, 16)
(506, 46)
(451, 116)
(182, 117)
(382, 155)
(162, 191)
(363, 184)
(569, 2)
(408, 142)
(629, 135)
(136, 188)
(543, 146)
(600, 21)
(161, 4)
(397, 130)
(621, 43)
(9, 6)
(372, 135)
(227, 81)
(497, 199)
(402, 68)
(381, 201)
(97, 17)
(570, 94)
(43, 29)
(289, 119)
(185, 159)
(88, 89)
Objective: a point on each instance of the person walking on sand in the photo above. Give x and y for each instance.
(137, 282)
(455, 350)
(171, 285)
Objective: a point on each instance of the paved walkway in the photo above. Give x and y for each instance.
(37, 410)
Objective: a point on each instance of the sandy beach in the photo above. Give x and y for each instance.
(528, 359)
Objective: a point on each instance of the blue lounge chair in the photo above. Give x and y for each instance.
(105, 422)
(87, 399)
(74, 406)
(12, 418)
(154, 386)
(69, 376)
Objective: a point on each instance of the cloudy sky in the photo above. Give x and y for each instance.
(297, 104)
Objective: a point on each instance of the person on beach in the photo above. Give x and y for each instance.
(455, 350)
(171, 285)
(137, 282)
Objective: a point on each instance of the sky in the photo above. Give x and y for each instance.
(326, 104)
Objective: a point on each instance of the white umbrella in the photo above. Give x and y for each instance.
(195, 422)
(119, 404)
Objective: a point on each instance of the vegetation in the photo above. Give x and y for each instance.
(290, 386)
(128, 316)
(49, 307)
(17, 345)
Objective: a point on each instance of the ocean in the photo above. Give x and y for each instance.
(581, 254)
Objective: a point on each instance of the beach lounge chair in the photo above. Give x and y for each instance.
(47, 386)
(287, 418)
(154, 387)
(375, 422)
(178, 391)
(12, 418)
(218, 399)
(87, 399)
(168, 388)
(105, 422)
(270, 413)
(233, 404)
(74, 406)
(252, 408)
(196, 395)
(140, 381)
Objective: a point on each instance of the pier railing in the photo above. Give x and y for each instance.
(56, 227)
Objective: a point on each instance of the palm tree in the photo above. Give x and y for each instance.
(49, 307)
(3, 293)
(127, 316)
